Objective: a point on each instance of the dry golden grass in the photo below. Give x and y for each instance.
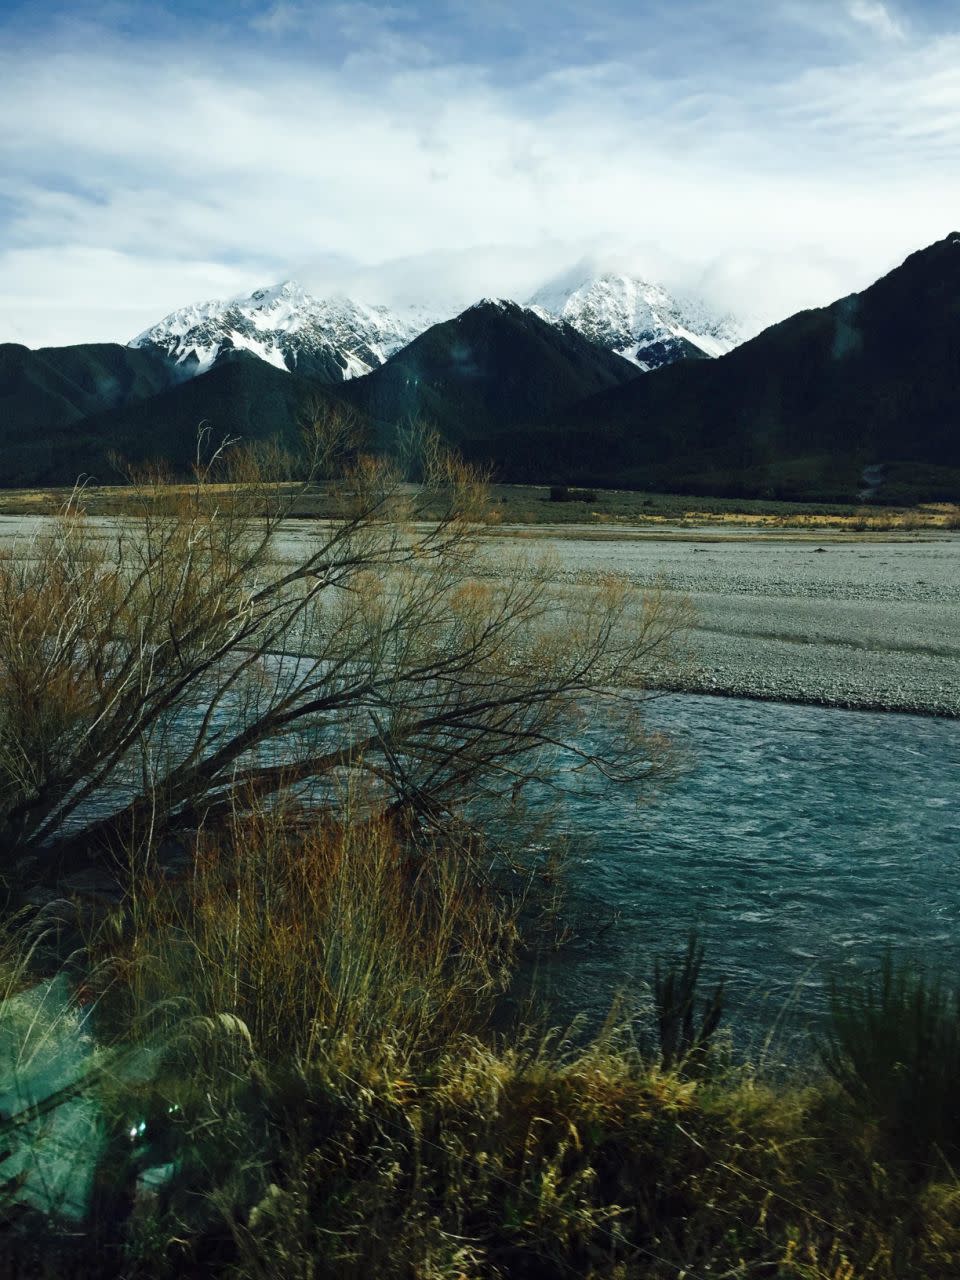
(332, 939)
(933, 516)
(312, 998)
(525, 505)
(328, 1101)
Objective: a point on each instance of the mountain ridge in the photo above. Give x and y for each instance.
(333, 339)
(497, 363)
(862, 395)
(804, 407)
(338, 338)
(637, 319)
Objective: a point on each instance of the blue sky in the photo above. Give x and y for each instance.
(769, 155)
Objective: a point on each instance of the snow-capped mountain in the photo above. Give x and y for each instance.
(335, 339)
(638, 320)
(328, 338)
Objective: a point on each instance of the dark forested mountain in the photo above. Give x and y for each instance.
(863, 395)
(44, 395)
(58, 385)
(241, 398)
(55, 427)
(495, 366)
(859, 397)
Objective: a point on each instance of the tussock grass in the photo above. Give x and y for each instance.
(894, 1049)
(282, 1044)
(319, 1093)
(531, 505)
(336, 940)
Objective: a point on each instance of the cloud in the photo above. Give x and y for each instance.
(280, 19)
(52, 296)
(146, 174)
(877, 17)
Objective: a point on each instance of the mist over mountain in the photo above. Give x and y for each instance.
(338, 338)
(860, 397)
(637, 319)
(606, 379)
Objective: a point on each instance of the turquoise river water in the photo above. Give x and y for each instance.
(800, 841)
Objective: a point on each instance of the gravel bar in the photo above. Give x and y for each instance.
(841, 620)
(868, 624)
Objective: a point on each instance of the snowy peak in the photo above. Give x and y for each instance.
(332, 339)
(637, 319)
(335, 339)
(496, 304)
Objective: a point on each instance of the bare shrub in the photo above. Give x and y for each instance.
(153, 671)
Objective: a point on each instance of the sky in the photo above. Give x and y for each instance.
(766, 156)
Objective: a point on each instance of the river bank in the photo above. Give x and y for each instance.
(288, 1048)
(865, 620)
(866, 623)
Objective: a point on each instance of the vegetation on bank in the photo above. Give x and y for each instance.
(150, 676)
(262, 914)
(297, 1074)
(533, 505)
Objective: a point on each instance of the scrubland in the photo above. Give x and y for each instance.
(264, 907)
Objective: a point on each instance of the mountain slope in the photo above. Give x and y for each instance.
(871, 382)
(57, 385)
(863, 395)
(331, 339)
(46, 395)
(495, 365)
(638, 320)
(241, 398)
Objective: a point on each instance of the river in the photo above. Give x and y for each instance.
(800, 841)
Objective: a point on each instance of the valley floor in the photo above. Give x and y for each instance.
(839, 619)
(789, 606)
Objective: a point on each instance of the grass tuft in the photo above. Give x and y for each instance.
(893, 1046)
(300, 1078)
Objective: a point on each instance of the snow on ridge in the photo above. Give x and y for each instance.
(337, 338)
(637, 319)
(502, 304)
(333, 338)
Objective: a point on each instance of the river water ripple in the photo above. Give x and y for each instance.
(800, 842)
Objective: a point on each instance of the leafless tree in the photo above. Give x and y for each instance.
(157, 671)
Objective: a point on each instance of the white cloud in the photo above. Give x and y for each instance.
(137, 178)
(280, 19)
(54, 296)
(877, 16)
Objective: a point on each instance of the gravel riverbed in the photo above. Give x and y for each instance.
(870, 622)
(842, 622)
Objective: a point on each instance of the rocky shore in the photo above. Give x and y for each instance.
(869, 624)
(863, 621)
